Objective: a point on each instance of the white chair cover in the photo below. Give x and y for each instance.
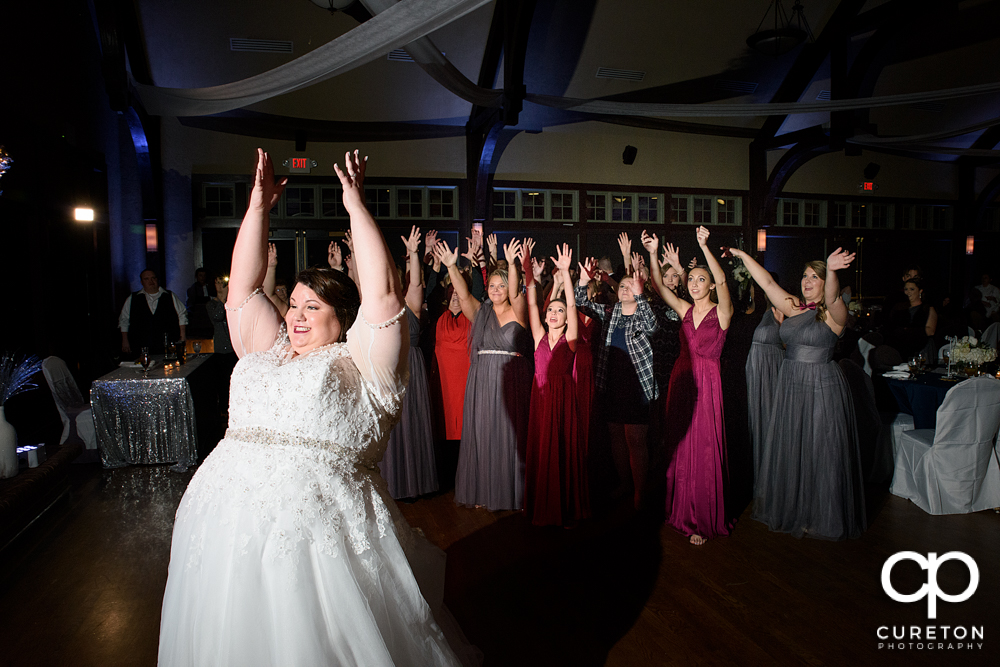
(943, 350)
(972, 332)
(864, 347)
(992, 335)
(953, 468)
(72, 408)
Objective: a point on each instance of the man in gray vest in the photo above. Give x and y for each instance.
(149, 314)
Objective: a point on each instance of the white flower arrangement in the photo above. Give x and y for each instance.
(969, 350)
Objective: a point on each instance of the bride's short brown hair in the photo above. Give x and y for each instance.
(337, 290)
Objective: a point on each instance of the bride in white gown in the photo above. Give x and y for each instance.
(287, 549)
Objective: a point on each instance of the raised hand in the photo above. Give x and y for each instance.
(537, 268)
(272, 256)
(353, 181)
(671, 254)
(732, 252)
(625, 244)
(511, 251)
(430, 239)
(334, 255)
(445, 255)
(266, 192)
(491, 243)
(839, 259)
(650, 242)
(587, 271)
(349, 241)
(693, 263)
(527, 246)
(564, 257)
(470, 253)
(703, 237)
(413, 242)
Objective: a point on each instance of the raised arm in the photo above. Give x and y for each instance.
(563, 260)
(835, 306)
(650, 242)
(254, 325)
(350, 261)
(470, 306)
(414, 290)
(378, 281)
(784, 302)
(587, 271)
(625, 245)
(724, 311)
(531, 286)
(512, 252)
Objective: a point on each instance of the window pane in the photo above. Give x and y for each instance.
(503, 205)
(648, 205)
(562, 206)
(880, 216)
(409, 203)
(442, 203)
(219, 201)
(597, 207)
(678, 209)
(332, 204)
(532, 205)
(378, 202)
(838, 215)
(812, 214)
(300, 202)
(702, 210)
(859, 216)
(621, 208)
(726, 212)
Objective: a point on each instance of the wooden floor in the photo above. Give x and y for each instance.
(83, 586)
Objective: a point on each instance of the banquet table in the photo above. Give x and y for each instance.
(921, 396)
(152, 419)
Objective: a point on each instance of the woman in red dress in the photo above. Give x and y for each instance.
(556, 467)
(451, 351)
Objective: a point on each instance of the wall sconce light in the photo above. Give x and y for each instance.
(970, 244)
(761, 240)
(83, 214)
(152, 245)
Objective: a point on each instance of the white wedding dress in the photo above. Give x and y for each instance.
(287, 549)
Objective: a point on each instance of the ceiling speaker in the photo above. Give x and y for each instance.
(628, 155)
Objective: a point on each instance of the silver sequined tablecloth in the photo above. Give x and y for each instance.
(146, 420)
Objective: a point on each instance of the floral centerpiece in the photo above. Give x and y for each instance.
(969, 350)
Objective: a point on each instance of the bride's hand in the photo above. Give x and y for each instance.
(266, 192)
(353, 181)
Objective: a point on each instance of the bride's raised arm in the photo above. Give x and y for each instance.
(380, 340)
(253, 321)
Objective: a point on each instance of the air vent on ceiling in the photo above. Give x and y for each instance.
(622, 74)
(744, 87)
(933, 107)
(824, 96)
(400, 56)
(260, 45)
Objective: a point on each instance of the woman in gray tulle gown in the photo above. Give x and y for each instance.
(409, 466)
(810, 466)
(763, 362)
(491, 456)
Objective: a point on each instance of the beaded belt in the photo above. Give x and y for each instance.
(266, 436)
(503, 352)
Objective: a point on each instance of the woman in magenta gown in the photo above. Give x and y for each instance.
(555, 491)
(695, 436)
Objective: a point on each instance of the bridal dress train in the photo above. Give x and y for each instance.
(287, 549)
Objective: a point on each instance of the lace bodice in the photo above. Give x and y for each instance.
(320, 397)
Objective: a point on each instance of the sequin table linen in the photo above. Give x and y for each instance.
(143, 420)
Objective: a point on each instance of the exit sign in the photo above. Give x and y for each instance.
(299, 165)
(867, 186)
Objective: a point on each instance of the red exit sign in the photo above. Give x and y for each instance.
(299, 165)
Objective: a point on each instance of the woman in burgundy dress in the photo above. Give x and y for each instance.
(695, 436)
(556, 467)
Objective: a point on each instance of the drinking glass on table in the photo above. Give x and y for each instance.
(196, 346)
(145, 359)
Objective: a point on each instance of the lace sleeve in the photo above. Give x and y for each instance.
(254, 324)
(380, 352)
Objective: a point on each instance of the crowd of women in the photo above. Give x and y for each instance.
(541, 365)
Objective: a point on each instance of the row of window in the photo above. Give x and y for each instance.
(561, 205)
(327, 202)
(863, 215)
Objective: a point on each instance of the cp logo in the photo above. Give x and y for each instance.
(930, 590)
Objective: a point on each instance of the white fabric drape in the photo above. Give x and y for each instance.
(397, 26)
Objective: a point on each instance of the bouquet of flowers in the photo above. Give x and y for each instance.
(969, 350)
(740, 274)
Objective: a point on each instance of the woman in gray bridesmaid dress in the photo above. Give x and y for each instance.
(763, 362)
(810, 466)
